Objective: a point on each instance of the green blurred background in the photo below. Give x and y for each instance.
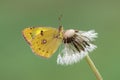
(17, 62)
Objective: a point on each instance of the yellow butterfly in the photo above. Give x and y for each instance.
(44, 41)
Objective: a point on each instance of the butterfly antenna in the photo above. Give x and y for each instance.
(60, 20)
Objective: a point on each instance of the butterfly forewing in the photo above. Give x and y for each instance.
(30, 33)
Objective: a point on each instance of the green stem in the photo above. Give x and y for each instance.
(92, 66)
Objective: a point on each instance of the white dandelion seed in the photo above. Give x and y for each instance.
(77, 44)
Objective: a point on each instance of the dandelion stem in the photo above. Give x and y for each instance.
(92, 66)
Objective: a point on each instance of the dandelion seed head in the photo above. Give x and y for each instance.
(78, 47)
(69, 33)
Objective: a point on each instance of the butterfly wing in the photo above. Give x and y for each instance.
(30, 33)
(43, 41)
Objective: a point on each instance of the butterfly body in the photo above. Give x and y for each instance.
(44, 41)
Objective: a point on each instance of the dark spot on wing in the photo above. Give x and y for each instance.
(44, 41)
(39, 48)
(30, 33)
(41, 33)
(47, 52)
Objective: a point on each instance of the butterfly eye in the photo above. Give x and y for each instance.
(31, 35)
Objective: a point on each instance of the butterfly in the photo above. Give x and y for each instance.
(44, 41)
